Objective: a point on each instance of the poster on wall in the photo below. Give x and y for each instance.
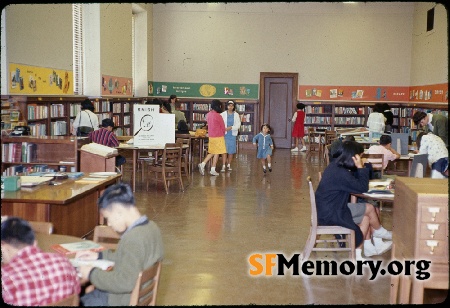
(113, 85)
(151, 127)
(27, 79)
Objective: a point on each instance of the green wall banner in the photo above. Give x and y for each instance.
(203, 90)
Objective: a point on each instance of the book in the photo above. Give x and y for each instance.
(103, 264)
(71, 248)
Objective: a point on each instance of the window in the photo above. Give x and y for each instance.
(77, 16)
(430, 20)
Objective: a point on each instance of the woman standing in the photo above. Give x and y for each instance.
(86, 117)
(232, 123)
(216, 139)
(376, 121)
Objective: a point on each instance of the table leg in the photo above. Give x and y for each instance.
(133, 171)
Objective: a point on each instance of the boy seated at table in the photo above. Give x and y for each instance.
(385, 148)
(105, 136)
(31, 277)
(140, 246)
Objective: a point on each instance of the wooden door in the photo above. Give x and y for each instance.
(278, 99)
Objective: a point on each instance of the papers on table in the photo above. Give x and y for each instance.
(30, 180)
(100, 263)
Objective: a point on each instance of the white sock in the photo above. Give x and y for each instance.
(213, 168)
(368, 242)
(228, 165)
(381, 230)
(223, 167)
(377, 241)
(203, 164)
(270, 165)
(264, 167)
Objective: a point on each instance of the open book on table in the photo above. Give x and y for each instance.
(103, 264)
(71, 248)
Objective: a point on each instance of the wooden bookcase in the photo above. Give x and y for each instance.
(331, 115)
(196, 110)
(48, 152)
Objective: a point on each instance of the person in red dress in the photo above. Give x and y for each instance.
(298, 131)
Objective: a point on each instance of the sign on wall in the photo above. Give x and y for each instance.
(203, 90)
(151, 127)
(27, 79)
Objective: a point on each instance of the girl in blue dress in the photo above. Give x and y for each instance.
(265, 146)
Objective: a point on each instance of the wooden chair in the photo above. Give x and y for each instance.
(326, 153)
(41, 227)
(330, 136)
(170, 167)
(419, 166)
(72, 301)
(314, 143)
(106, 236)
(317, 231)
(376, 160)
(146, 288)
(186, 154)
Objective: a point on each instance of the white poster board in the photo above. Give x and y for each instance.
(151, 127)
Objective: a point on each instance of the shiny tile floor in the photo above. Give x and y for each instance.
(211, 229)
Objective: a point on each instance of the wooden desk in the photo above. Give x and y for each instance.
(420, 232)
(71, 206)
(135, 150)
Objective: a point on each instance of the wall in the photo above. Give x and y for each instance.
(374, 44)
(115, 35)
(39, 35)
(430, 50)
(326, 43)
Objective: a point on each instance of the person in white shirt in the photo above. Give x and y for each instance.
(376, 121)
(232, 123)
(385, 147)
(430, 144)
(86, 117)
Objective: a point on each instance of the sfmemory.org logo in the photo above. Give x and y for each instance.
(276, 264)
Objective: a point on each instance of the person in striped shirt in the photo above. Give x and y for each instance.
(105, 136)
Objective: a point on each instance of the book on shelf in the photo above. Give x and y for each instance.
(71, 248)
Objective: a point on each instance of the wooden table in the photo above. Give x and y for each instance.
(71, 206)
(135, 150)
(382, 198)
(45, 241)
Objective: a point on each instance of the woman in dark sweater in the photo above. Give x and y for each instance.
(344, 176)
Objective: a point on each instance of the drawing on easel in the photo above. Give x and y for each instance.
(146, 123)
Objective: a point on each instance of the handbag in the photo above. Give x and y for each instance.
(200, 132)
(83, 131)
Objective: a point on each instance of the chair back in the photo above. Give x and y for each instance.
(330, 136)
(41, 227)
(106, 236)
(72, 301)
(314, 142)
(312, 197)
(326, 153)
(145, 290)
(376, 160)
(185, 153)
(419, 166)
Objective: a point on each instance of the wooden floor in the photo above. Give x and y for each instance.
(211, 229)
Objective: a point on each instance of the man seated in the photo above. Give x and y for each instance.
(105, 136)
(179, 115)
(31, 277)
(430, 144)
(385, 147)
(140, 247)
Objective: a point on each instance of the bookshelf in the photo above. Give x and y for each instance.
(196, 110)
(26, 154)
(331, 115)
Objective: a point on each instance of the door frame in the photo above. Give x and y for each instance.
(262, 77)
